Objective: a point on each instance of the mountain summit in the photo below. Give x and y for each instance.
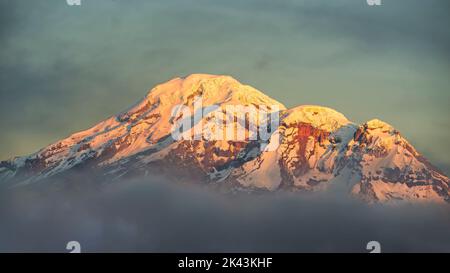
(317, 148)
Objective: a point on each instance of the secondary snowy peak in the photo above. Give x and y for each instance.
(390, 167)
(311, 141)
(379, 139)
(319, 117)
(376, 124)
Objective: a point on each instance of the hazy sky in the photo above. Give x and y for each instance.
(65, 68)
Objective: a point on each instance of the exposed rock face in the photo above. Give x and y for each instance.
(314, 147)
(310, 143)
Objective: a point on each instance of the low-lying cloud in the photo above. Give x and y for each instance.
(154, 215)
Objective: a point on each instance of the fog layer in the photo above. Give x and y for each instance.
(153, 215)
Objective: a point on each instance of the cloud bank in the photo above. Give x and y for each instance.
(154, 215)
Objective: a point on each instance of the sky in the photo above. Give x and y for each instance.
(65, 68)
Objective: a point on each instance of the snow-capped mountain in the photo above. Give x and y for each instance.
(316, 147)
